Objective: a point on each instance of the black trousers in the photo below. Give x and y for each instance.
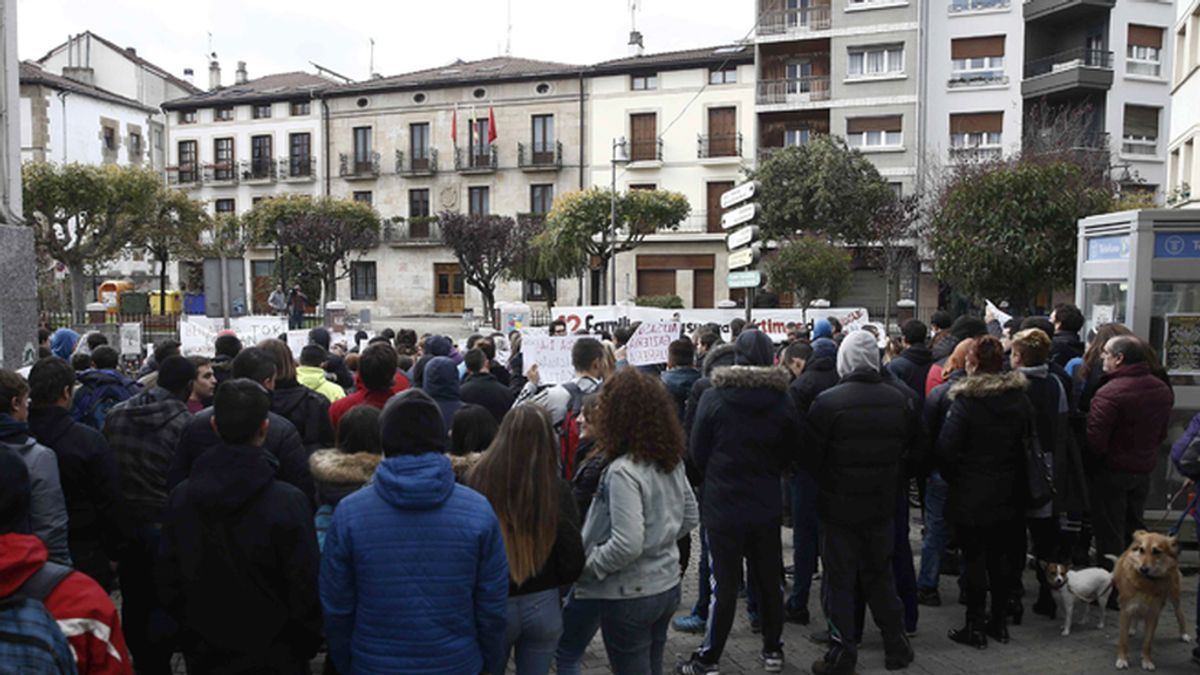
(760, 546)
(859, 555)
(142, 616)
(1118, 500)
(988, 562)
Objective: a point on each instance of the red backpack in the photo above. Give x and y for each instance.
(568, 430)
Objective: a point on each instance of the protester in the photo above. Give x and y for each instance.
(338, 472)
(311, 373)
(912, 365)
(1126, 424)
(963, 327)
(101, 388)
(413, 573)
(297, 305)
(87, 471)
(1068, 321)
(307, 410)
(981, 450)
(227, 347)
(239, 559)
(62, 343)
(681, 373)
(498, 371)
(377, 371)
(519, 475)
(482, 388)
(630, 584)
(590, 361)
(1091, 371)
(472, 431)
(744, 438)
(432, 347)
(941, 344)
(205, 385)
(590, 460)
(558, 327)
(442, 385)
(148, 373)
(320, 337)
(48, 508)
(87, 638)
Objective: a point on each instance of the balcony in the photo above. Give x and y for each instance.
(418, 231)
(642, 153)
(1086, 69)
(1065, 10)
(184, 176)
(975, 154)
(721, 146)
(297, 169)
(795, 91)
(221, 173)
(261, 170)
(795, 21)
(359, 166)
(475, 160)
(962, 6)
(1141, 147)
(978, 78)
(417, 166)
(539, 157)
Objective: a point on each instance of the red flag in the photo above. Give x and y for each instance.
(454, 126)
(491, 125)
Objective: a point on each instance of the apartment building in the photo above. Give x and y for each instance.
(1184, 163)
(681, 121)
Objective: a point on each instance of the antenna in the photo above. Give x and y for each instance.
(371, 66)
(633, 7)
(508, 38)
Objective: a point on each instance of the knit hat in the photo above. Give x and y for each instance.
(319, 336)
(753, 348)
(412, 424)
(858, 351)
(438, 345)
(14, 493)
(822, 329)
(824, 347)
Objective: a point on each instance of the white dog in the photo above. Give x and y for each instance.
(1089, 585)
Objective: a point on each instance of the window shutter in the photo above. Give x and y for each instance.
(1141, 120)
(1145, 36)
(977, 47)
(858, 125)
(974, 123)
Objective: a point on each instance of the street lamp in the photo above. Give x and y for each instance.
(620, 154)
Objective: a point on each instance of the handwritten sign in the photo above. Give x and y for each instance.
(650, 344)
(773, 322)
(130, 339)
(198, 334)
(552, 356)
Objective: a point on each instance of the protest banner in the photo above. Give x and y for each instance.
(552, 356)
(773, 322)
(197, 334)
(649, 345)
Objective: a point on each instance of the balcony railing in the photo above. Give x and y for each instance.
(978, 78)
(1146, 68)
(417, 166)
(298, 168)
(358, 166)
(255, 170)
(957, 6)
(720, 145)
(1139, 145)
(1069, 60)
(476, 160)
(414, 231)
(644, 150)
(795, 20)
(221, 172)
(184, 175)
(538, 157)
(794, 90)
(976, 153)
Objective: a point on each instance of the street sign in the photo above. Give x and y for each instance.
(743, 258)
(742, 214)
(745, 279)
(742, 236)
(739, 194)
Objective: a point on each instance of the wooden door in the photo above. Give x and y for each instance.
(643, 129)
(448, 289)
(715, 190)
(722, 132)
(655, 282)
(702, 289)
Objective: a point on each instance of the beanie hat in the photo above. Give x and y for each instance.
(753, 348)
(858, 351)
(412, 424)
(824, 347)
(822, 329)
(438, 345)
(14, 493)
(319, 336)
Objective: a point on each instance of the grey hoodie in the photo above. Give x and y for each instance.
(858, 351)
(47, 506)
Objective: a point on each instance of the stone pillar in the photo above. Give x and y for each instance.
(19, 310)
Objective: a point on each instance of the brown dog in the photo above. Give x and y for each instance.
(1146, 576)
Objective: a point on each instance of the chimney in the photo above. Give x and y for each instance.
(240, 76)
(131, 50)
(189, 76)
(635, 44)
(214, 75)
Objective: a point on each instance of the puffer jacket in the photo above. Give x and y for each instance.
(1066, 346)
(414, 575)
(1127, 420)
(912, 368)
(314, 378)
(981, 447)
(47, 506)
(308, 411)
(819, 374)
(143, 433)
(720, 356)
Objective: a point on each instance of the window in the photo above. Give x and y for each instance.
(299, 108)
(418, 203)
(877, 61)
(224, 114)
(722, 133)
(541, 198)
(110, 138)
(1144, 55)
(976, 5)
(479, 93)
(262, 111)
(223, 168)
(260, 156)
(643, 129)
(874, 132)
(362, 280)
(537, 291)
(542, 88)
(723, 75)
(187, 161)
(255, 200)
(478, 198)
(977, 60)
(897, 189)
(977, 134)
(419, 97)
(543, 138)
(300, 154)
(362, 150)
(1141, 130)
(796, 137)
(135, 144)
(479, 146)
(418, 144)
(643, 186)
(187, 116)
(224, 206)
(363, 196)
(643, 82)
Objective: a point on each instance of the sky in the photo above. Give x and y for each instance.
(285, 35)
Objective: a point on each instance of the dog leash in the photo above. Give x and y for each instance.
(1183, 516)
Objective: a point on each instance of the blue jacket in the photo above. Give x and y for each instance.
(414, 575)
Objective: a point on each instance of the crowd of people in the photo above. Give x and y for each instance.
(412, 506)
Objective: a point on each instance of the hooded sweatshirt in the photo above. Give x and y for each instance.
(47, 508)
(62, 343)
(912, 368)
(435, 345)
(143, 433)
(307, 410)
(239, 566)
(314, 378)
(442, 385)
(858, 351)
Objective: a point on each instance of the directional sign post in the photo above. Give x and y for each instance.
(742, 237)
(742, 214)
(745, 250)
(745, 279)
(744, 257)
(739, 194)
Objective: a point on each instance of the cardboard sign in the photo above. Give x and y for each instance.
(130, 339)
(649, 345)
(296, 341)
(552, 356)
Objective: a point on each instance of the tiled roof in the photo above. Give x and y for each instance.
(732, 53)
(31, 73)
(132, 56)
(279, 86)
(466, 72)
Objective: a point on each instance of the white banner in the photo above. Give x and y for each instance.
(774, 322)
(552, 356)
(198, 334)
(650, 344)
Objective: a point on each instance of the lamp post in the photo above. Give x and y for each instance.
(620, 154)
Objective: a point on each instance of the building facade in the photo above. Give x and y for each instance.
(1184, 163)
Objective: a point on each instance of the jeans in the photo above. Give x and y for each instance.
(762, 550)
(805, 538)
(634, 629)
(535, 625)
(1118, 499)
(937, 534)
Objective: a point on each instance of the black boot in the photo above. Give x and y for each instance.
(1016, 611)
(997, 628)
(898, 653)
(971, 635)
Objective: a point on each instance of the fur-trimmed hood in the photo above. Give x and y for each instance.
(750, 377)
(334, 466)
(462, 465)
(721, 355)
(987, 385)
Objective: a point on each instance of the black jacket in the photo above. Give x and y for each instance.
(981, 449)
(143, 433)
(565, 563)
(222, 366)
(1065, 346)
(91, 485)
(283, 446)
(856, 440)
(937, 404)
(1051, 409)
(485, 390)
(745, 436)
(819, 374)
(721, 355)
(678, 382)
(238, 567)
(308, 411)
(912, 367)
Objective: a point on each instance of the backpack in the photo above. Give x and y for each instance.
(30, 639)
(568, 430)
(92, 403)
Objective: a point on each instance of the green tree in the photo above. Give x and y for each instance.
(487, 247)
(84, 216)
(1006, 230)
(579, 226)
(533, 265)
(171, 227)
(822, 187)
(810, 267)
(321, 235)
